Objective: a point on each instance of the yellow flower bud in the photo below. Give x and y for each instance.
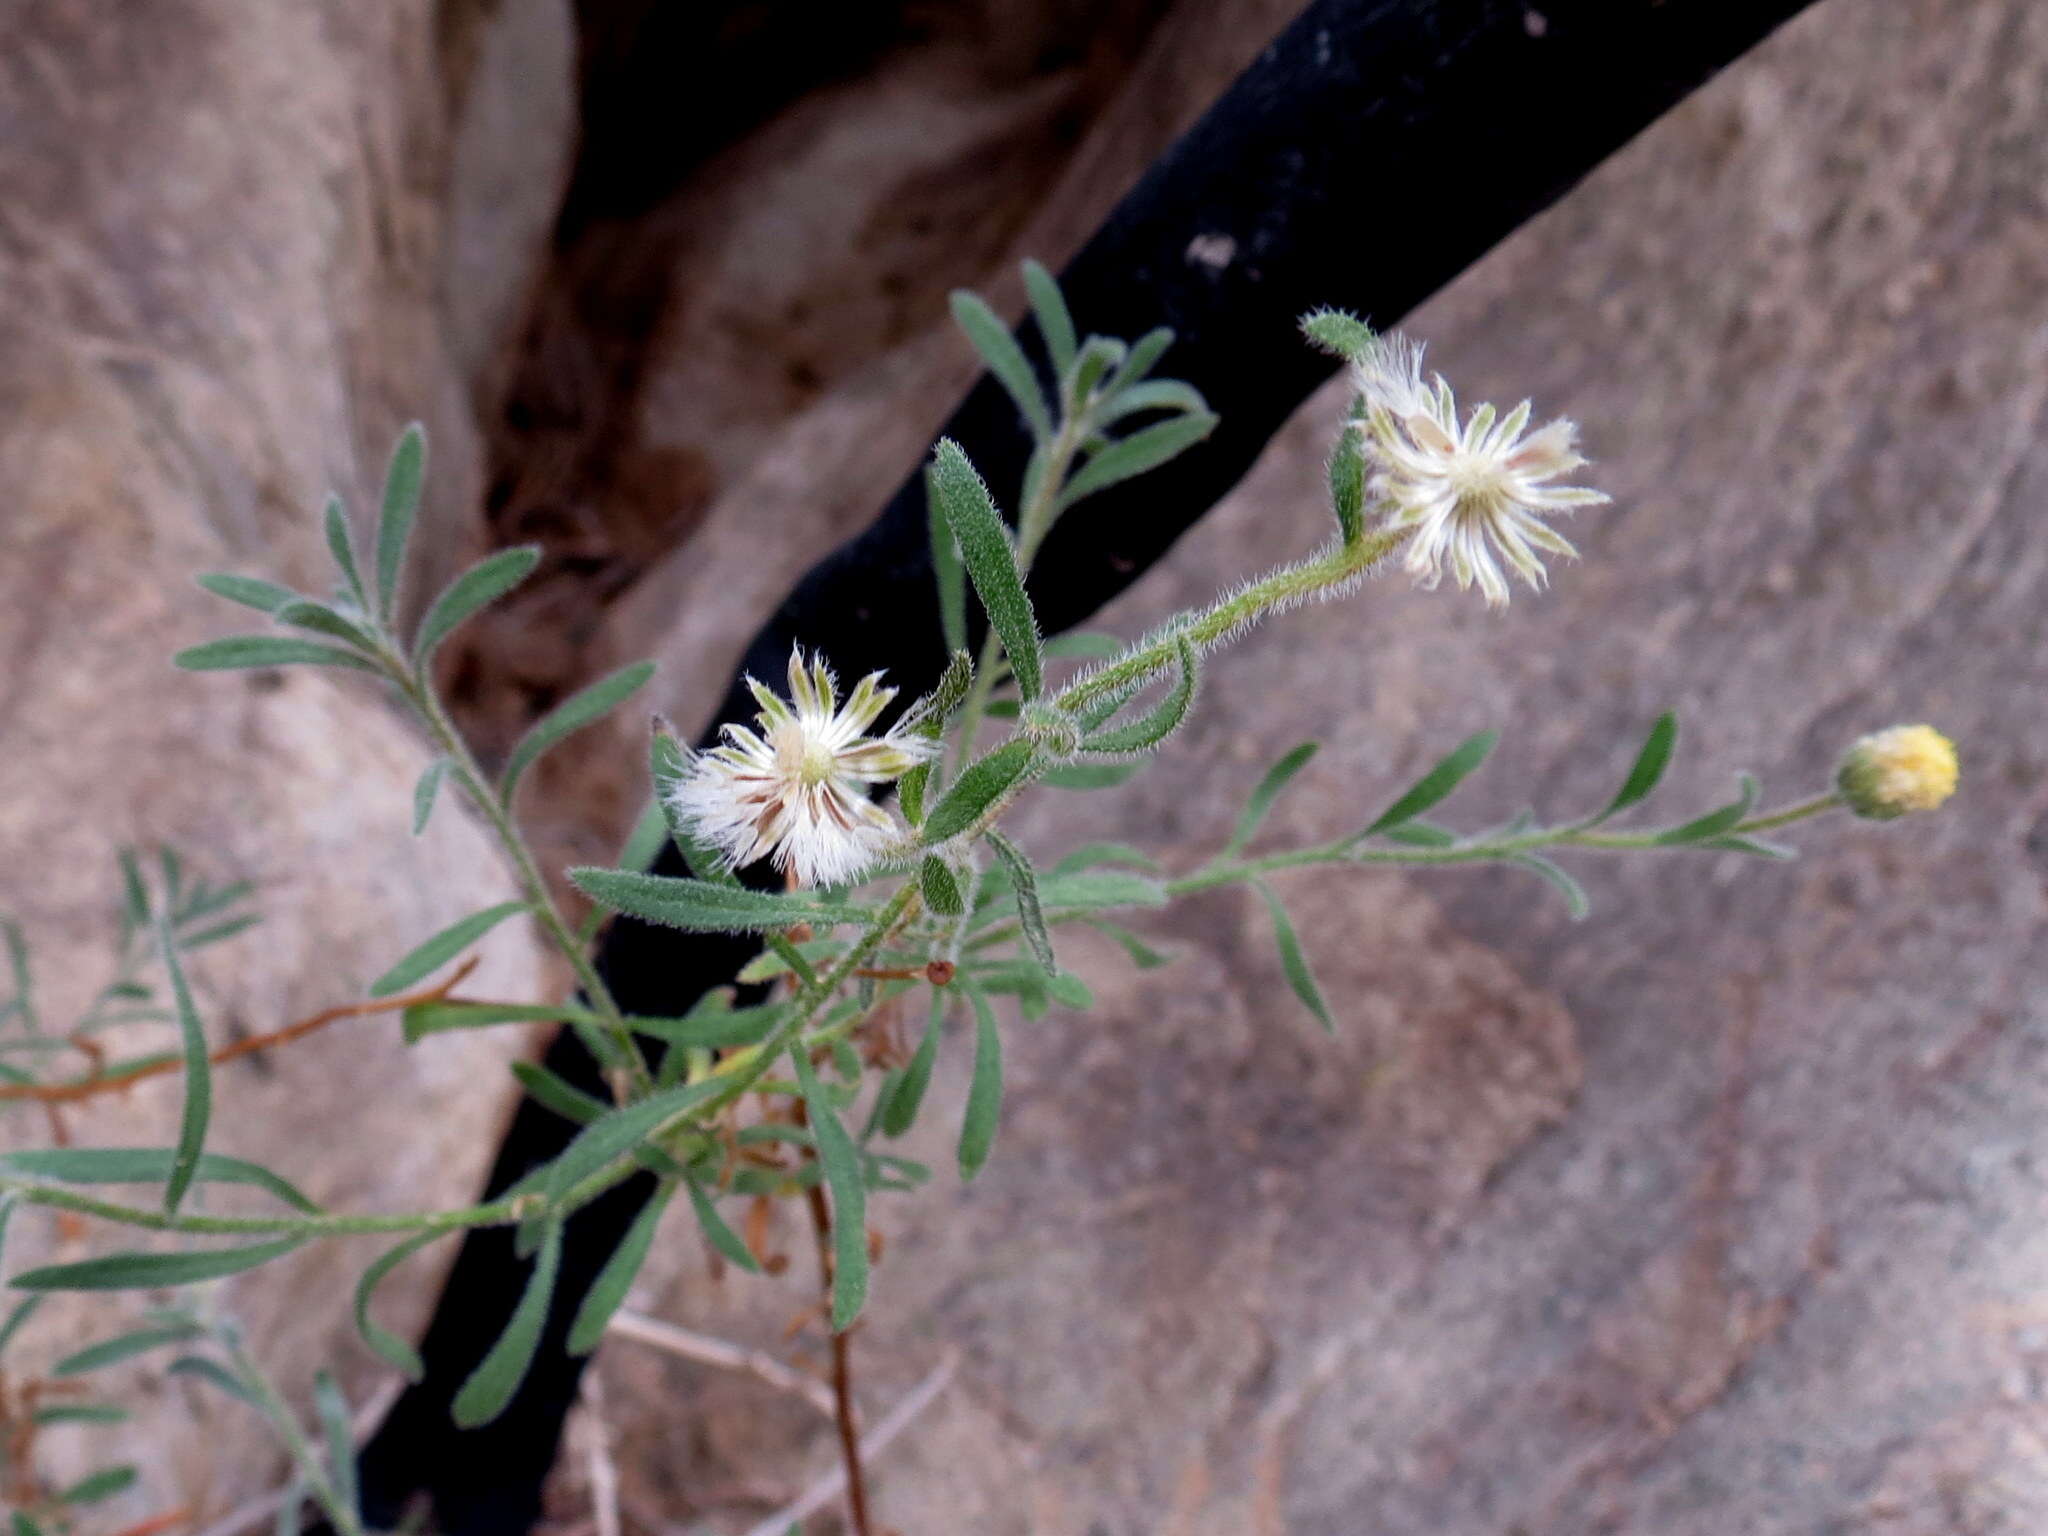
(1902, 768)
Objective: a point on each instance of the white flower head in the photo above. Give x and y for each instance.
(795, 789)
(1474, 494)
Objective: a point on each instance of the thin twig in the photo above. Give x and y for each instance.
(97, 1083)
(604, 1472)
(256, 1511)
(842, 1370)
(829, 1487)
(706, 1350)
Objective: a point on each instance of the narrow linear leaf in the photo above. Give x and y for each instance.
(1024, 886)
(1144, 450)
(23, 1525)
(607, 1292)
(1093, 855)
(216, 1375)
(149, 1271)
(424, 791)
(1082, 645)
(718, 1232)
(304, 613)
(491, 1385)
(402, 483)
(1717, 822)
(1750, 845)
(242, 651)
(797, 962)
(1144, 353)
(147, 1165)
(443, 947)
(947, 571)
(644, 843)
(1436, 784)
(1277, 778)
(1055, 323)
(1097, 358)
(1347, 485)
(1420, 834)
(99, 1485)
(1574, 894)
(1091, 775)
(991, 562)
(389, 1347)
(331, 1408)
(941, 887)
(1004, 358)
(984, 1089)
(23, 1311)
(81, 1413)
(1159, 395)
(928, 714)
(122, 1347)
(342, 546)
(843, 1180)
(901, 1110)
(249, 591)
(475, 589)
(706, 906)
(1336, 331)
(1143, 955)
(573, 714)
(1161, 721)
(1091, 890)
(290, 1509)
(1293, 963)
(618, 1132)
(550, 1091)
(1649, 767)
(198, 1107)
(985, 781)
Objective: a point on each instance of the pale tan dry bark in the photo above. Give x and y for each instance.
(1719, 1212)
(219, 233)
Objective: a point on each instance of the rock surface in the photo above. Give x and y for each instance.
(1720, 1211)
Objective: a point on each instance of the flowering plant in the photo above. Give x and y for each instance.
(790, 1082)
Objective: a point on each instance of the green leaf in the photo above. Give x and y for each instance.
(1716, 822)
(1144, 450)
(644, 843)
(1143, 955)
(1347, 485)
(1437, 783)
(1292, 961)
(1145, 351)
(1161, 721)
(1091, 855)
(1574, 894)
(1255, 809)
(24, 1526)
(475, 589)
(424, 791)
(198, 1107)
(1335, 331)
(941, 887)
(437, 1018)
(1069, 990)
(123, 1346)
(216, 1375)
(1420, 834)
(249, 591)
(81, 1413)
(1024, 886)
(901, 1110)
(705, 906)
(548, 1090)
(1160, 395)
(342, 547)
(841, 1162)
(618, 1132)
(1005, 359)
(718, 1232)
(573, 714)
(984, 783)
(991, 561)
(443, 947)
(490, 1387)
(1089, 889)
(290, 1509)
(402, 482)
(608, 1291)
(984, 1090)
(1090, 775)
(24, 982)
(1097, 357)
(103, 1484)
(1081, 644)
(304, 613)
(1649, 767)
(331, 1408)
(928, 714)
(947, 571)
(239, 651)
(1750, 845)
(1049, 308)
(390, 1348)
(150, 1271)
(147, 1165)
(23, 1311)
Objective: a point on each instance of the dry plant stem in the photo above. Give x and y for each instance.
(723, 1355)
(877, 1440)
(604, 1472)
(99, 1082)
(842, 1363)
